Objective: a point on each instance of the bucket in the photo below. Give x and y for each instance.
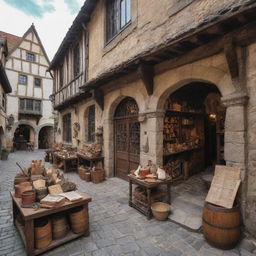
(59, 227)
(221, 226)
(28, 197)
(79, 220)
(20, 188)
(43, 233)
(160, 210)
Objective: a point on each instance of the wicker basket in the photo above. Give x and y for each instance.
(98, 176)
(160, 210)
(82, 173)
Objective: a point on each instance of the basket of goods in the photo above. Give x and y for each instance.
(160, 210)
(22, 187)
(68, 186)
(41, 192)
(144, 172)
(97, 175)
(43, 233)
(83, 173)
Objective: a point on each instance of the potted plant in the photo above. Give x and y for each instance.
(4, 154)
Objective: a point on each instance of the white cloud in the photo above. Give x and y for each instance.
(51, 28)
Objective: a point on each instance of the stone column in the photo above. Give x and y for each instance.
(235, 148)
(108, 147)
(152, 133)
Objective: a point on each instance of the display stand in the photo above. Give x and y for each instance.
(90, 161)
(29, 215)
(68, 163)
(146, 207)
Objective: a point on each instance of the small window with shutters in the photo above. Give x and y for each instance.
(91, 123)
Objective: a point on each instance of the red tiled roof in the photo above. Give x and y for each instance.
(12, 40)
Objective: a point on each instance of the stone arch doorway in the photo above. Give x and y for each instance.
(193, 129)
(23, 134)
(126, 137)
(45, 137)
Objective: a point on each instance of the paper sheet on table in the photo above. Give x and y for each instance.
(224, 186)
(71, 196)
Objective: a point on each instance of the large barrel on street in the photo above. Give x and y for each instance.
(221, 226)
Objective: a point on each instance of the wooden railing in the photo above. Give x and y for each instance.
(69, 91)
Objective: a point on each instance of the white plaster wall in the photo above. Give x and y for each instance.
(12, 106)
(34, 69)
(35, 48)
(43, 60)
(25, 67)
(16, 53)
(47, 87)
(17, 65)
(13, 79)
(37, 92)
(25, 45)
(22, 90)
(42, 71)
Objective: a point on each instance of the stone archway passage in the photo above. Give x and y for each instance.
(45, 137)
(127, 137)
(23, 135)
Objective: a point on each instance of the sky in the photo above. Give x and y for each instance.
(52, 19)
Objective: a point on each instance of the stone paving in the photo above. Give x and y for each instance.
(116, 229)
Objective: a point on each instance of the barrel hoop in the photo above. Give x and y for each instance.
(220, 209)
(221, 227)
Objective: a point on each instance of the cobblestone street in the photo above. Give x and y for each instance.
(116, 229)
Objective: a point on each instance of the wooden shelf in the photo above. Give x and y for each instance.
(172, 112)
(183, 151)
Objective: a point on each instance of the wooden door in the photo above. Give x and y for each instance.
(127, 139)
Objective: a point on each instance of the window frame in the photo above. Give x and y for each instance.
(116, 24)
(26, 108)
(3, 103)
(21, 82)
(66, 126)
(40, 79)
(30, 54)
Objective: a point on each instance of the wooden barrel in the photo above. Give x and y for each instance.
(79, 220)
(59, 226)
(43, 233)
(221, 226)
(28, 197)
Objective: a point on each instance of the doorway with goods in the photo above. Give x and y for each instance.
(126, 137)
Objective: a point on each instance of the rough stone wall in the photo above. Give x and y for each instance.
(153, 22)
(251, 115)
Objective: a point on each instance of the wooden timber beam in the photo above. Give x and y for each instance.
(146, 73)
(99, 97)
(231, 57)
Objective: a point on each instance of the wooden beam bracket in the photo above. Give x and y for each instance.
(99, 97)
(146, 73)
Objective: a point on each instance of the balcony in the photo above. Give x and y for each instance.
(30, 107)
(70, 93)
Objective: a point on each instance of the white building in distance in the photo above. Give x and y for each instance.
(29, 108)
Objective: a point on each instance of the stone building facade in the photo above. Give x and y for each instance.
(4, 89)
(29, 105)
(144, 53)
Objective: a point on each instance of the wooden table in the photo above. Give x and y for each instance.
(67, 162)
(92, 160)
(29, 215)
(148, 186)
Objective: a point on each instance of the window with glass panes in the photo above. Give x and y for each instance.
(118, 16)
(91, 123)
(67, 128)
(31, 56)
(37, 81)
(30, 106)
(23, 79)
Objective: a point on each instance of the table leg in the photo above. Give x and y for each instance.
(149, 203)
(87, 231)
(65, 166)
(130, 193)
(169, 193)
(29, 236)
(14, 211)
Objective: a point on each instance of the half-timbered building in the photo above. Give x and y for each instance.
(28, 106)
(170, 81)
